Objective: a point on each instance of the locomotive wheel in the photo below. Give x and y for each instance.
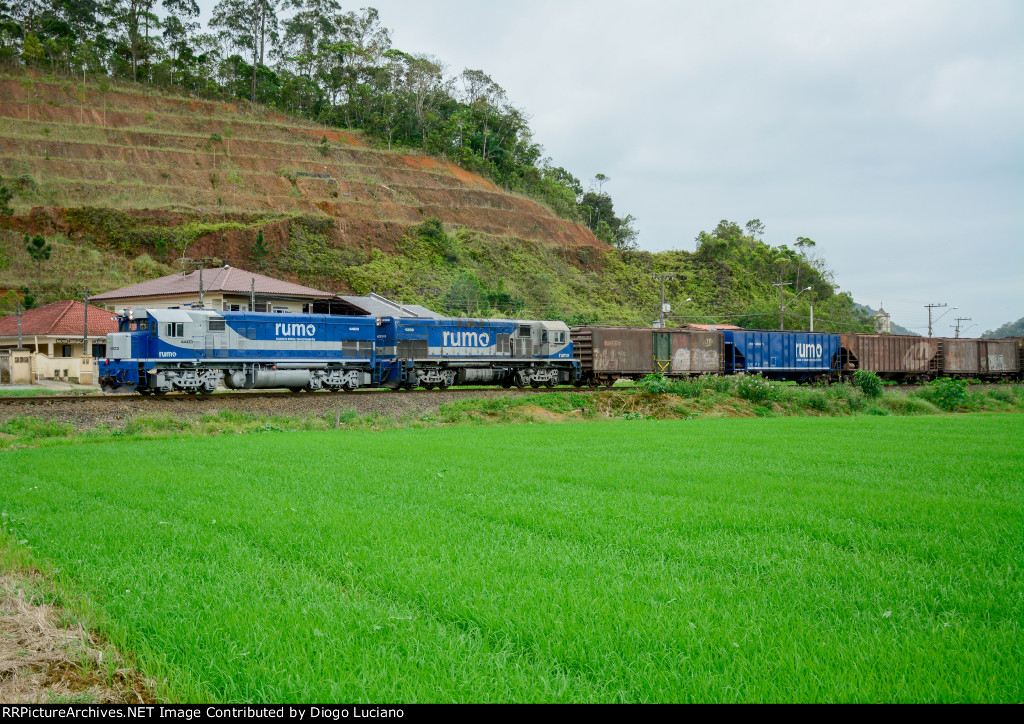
(295, 390)
(429, 387)
(550, 384)
(507, 385)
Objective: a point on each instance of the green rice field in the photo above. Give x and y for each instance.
(790, 559)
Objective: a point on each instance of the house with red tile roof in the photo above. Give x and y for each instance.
(53, 337)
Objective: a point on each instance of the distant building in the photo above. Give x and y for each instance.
(52, 341)
(378, 306)
(882, 321)
(710, 327)
(225, 289)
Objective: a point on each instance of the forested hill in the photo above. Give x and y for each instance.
(1010, 329)
(310, 59)
(131, 150)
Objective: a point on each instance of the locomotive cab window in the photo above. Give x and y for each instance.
(544, 336)
(176, 329)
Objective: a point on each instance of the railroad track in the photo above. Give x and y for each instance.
(38, 400)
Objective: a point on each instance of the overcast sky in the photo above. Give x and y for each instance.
(891, 132)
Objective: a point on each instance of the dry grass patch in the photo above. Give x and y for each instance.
(47, 658)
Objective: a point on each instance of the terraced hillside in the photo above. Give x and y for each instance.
(69, 145)
(127, 184)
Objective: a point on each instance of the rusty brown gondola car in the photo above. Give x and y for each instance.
(982, 358)
(892, 357)
(608, 354)
(918, 359)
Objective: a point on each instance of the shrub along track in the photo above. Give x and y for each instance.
(115, 410)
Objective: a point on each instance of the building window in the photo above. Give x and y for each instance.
(99, 350)
(66, 350)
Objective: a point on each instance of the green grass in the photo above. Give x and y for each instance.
(850, 559)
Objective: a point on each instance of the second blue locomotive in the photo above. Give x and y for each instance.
(162, 350)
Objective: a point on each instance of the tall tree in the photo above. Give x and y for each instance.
(180, 28)
(131, 18)
(6, 195)
(248, 25)
(40, 251)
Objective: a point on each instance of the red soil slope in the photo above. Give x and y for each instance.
(126, 149)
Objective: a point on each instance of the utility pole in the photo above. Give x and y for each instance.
(812, 317)
(930, 307)
(85, 323)
(20, 345)
(958, 320)
(665, 308)
(782, 307)
(200, 305)
(252, 296)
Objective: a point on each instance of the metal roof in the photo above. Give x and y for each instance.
(219, 280)
(378, 306)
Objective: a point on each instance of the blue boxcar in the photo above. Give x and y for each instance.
(782, 355)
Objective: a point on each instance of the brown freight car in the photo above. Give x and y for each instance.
(892, 357)
(608, 354)
(918, 359)
(982, 358)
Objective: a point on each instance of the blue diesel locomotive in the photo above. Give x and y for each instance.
(164, 350)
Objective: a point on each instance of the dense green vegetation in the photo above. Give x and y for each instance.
(654, 398)
(462, 272)
(309, 58)
(1010, 329)
(728, 278)
(420, 565)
